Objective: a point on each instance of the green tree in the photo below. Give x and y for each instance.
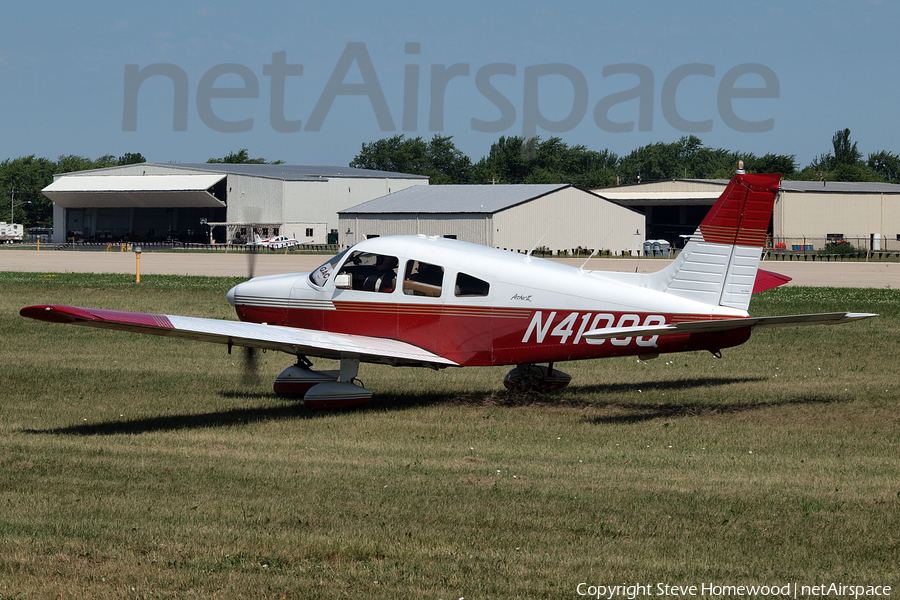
(397, 154)
(517, 160)
(886, 164)
(131, 158)
(242, 157)
(573, 164)
(446, 163)
(845, 153)
(70, 163)
(509, 161)
(21, 182)
(844, 164)
(439, 158)
(854, 172)
(687, 159)
(786, 164)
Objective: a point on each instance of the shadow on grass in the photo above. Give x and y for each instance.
(227, 418)
(603, 399)
(634, 412)
(572, 397)
(622, 411)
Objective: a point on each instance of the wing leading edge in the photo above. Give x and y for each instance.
(727, 325)
(238, 333)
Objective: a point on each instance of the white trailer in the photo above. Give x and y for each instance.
(11, 232)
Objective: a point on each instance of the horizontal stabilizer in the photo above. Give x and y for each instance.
(766, 280)
(726, 325)
(239, 333)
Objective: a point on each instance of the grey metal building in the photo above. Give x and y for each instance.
(222, 202)
(808, 214)
(512, 217)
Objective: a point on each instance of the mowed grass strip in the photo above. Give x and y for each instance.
(148, 467)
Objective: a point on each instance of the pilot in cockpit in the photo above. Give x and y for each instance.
(385, 276)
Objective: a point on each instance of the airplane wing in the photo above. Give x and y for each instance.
(238, 333)
(726, 325)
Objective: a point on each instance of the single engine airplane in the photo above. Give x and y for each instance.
(435, 302)
(274, 243)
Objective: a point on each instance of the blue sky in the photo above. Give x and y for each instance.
(63, 74)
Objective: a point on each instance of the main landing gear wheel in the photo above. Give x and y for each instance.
(535, 378)
(323, 389)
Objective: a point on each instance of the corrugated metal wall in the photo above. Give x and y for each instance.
(319, 201)
(255, 199)
(567, 219)
(570, 218)
(853, 215)
(469, 228)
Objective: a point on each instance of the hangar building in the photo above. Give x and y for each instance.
(512, 217)
(807, 213)
(212, 202)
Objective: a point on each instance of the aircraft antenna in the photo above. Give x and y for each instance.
(597, 249)
(543, 236)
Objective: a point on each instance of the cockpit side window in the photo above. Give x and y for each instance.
(321, 275)
(467, 286)
(423, 279)
(371, 272)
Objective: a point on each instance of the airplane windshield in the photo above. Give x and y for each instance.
(320, 276)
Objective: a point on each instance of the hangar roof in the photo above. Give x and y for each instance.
(282, 172)
(482, 199)
(844, 187)
(297, 172)
(667, 193)
(159, 191)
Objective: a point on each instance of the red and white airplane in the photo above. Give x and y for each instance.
(434, 302)
(274, 243)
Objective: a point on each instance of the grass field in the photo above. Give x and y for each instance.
(136, 466)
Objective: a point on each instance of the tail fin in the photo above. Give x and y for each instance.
(718, 265)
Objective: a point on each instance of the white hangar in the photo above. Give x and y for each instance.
(512, 217)
(205, 202)
(808, 214)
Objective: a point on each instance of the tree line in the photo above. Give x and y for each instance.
(533, 160)
(510, 160)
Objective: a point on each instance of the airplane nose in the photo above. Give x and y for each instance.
(230, 295)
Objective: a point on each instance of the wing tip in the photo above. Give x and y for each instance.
(52, 313)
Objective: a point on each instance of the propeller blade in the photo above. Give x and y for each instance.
(251, 261)
(250, 367)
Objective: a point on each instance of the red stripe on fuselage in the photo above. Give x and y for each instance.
(484, 335)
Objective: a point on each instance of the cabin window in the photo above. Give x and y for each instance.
(423, 279)
(466, 285)
(372, 272)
